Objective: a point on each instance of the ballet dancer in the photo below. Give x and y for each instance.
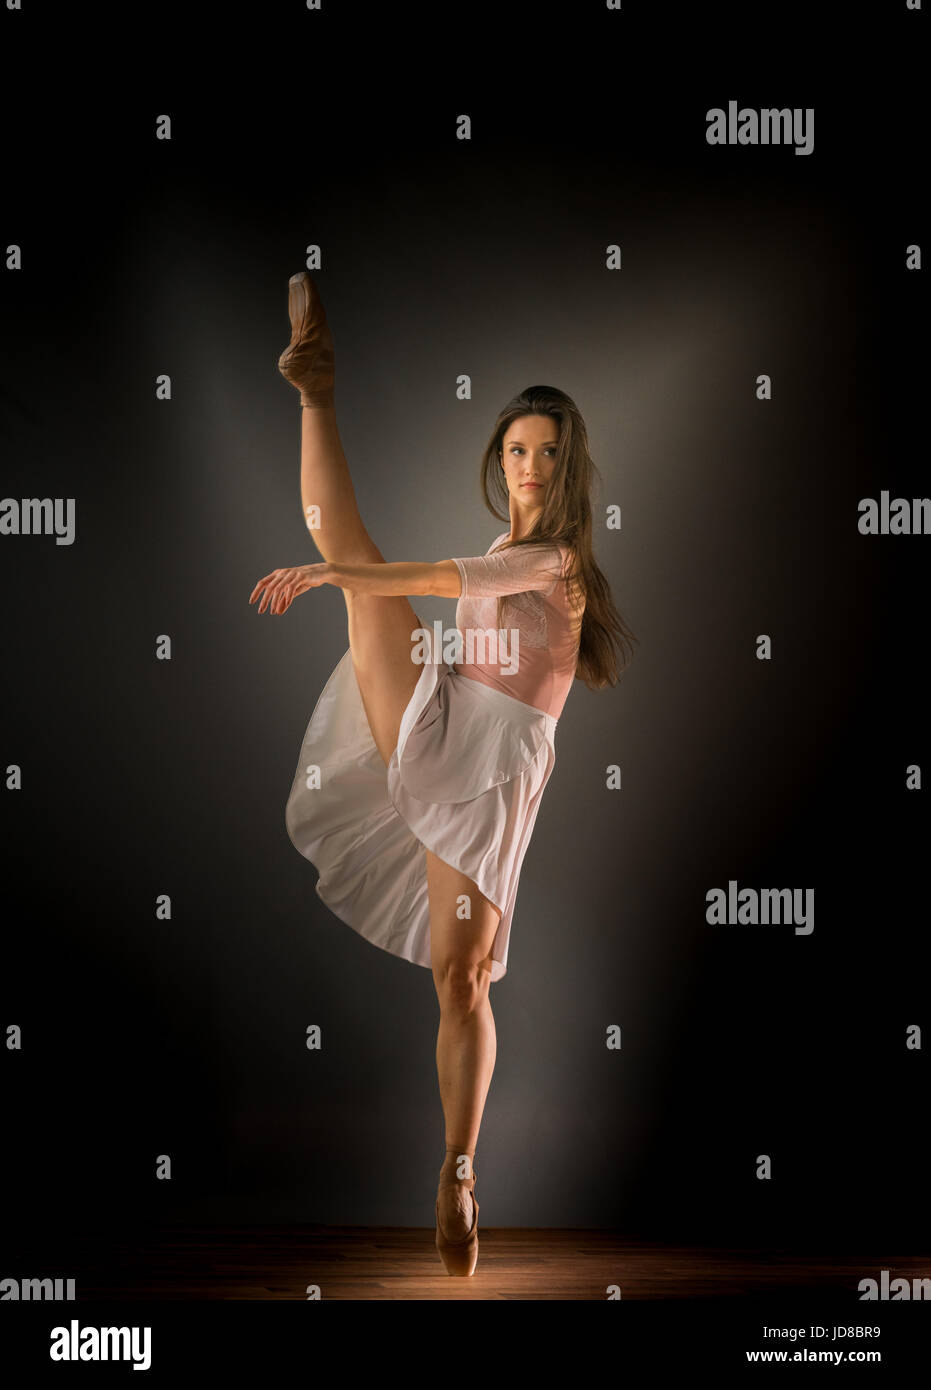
(419, 780)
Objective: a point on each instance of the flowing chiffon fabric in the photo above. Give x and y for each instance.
(465, 780)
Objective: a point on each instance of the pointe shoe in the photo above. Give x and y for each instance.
(308, 362)
(459, 1256)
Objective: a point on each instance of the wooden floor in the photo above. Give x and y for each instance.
(279, 1262)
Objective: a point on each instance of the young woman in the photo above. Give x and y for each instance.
(426, 756)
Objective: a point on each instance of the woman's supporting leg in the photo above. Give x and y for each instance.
(466, 1043)
(381, 628)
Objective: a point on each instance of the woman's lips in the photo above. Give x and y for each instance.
(531, 484)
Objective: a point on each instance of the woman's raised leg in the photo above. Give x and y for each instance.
(466, 1044)
(331, 512)
(381, 628)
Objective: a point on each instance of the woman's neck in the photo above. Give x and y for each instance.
(521, 526)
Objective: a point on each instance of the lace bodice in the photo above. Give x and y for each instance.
(535, 660)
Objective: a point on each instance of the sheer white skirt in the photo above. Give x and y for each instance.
(465, 781)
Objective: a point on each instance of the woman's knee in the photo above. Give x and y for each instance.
(461, 984)
(346, 548)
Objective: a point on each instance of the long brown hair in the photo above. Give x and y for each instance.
(566, 519)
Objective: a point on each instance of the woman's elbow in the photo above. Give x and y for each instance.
(445, 581)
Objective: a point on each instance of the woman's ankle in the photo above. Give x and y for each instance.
(458, 1163)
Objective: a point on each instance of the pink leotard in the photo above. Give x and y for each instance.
(546, 646)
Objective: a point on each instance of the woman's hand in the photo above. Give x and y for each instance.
(282, 587)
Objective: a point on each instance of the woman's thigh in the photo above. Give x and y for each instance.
(381, 637)
(463, 922)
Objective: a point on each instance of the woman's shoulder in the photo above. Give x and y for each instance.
(537, 542)
(564, 549)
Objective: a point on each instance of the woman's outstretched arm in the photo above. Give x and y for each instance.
(279, 589)
(402, 577)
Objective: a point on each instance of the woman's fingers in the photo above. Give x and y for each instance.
(285, 596)
(280, 588)
(270, 584)
(268, 588)
(278, 591)
(261, 584)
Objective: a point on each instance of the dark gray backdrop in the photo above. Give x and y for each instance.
(141, 777)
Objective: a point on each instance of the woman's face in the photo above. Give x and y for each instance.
(528, 457)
